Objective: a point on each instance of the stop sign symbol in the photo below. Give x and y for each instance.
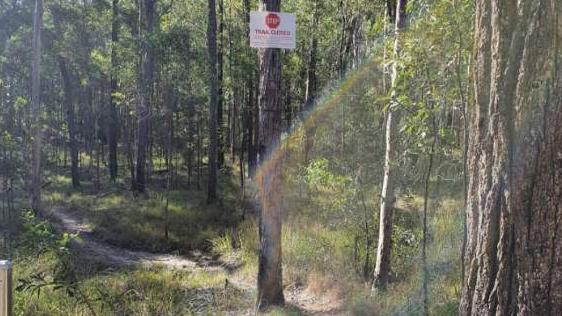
(272, 20)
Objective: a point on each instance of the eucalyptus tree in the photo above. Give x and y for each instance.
(36, 107)
(270, 275)
(146, 87)
(513, 251)
(388, 198)
(113, 128)
(213, 102)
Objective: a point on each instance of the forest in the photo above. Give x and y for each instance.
(393, 157)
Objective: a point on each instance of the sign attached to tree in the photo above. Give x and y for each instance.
(272, 30)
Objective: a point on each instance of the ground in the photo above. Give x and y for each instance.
(104, 252)
(298, 298)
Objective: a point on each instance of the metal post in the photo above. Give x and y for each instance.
(5, 288)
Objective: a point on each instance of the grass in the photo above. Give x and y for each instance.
(321, 254)
(319, 257)
(133, 292)
(121, 218)
(53, 279)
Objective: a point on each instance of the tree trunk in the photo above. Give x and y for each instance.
(114, 120)
(145, 94)
(70, 121)
(68, 106)
(513, 258)
(425, 237)
(36, 107)
(233, 117)
(220, 87)
(311, 85)
(170, 100)
(251, 107)
(199, 120)
(388, 199)
(213, 103)
(270, 280)
(190, 142)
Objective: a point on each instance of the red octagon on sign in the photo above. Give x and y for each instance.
(272, 20)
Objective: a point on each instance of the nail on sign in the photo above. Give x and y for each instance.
(272, 30)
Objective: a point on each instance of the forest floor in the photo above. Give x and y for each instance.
(125, 264)
(299, 299)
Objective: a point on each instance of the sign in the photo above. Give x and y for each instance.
(272, 30)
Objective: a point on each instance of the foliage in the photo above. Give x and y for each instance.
(330, 195)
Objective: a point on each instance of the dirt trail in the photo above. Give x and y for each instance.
(117, 256)
(300, 298)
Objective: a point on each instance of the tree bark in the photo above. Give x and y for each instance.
(145, 94)
(36, 107)
(513, 258)
(388, 199)
(213, 102)
(113, 117)
(270, 276)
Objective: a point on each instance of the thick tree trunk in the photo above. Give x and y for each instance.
(113, 129)
(270, 277)
(213, 103)
(513, 258)
(388, 199)
(36, 107)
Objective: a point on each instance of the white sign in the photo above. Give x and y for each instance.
(272, 30)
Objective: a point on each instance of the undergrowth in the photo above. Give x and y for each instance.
(52, 279)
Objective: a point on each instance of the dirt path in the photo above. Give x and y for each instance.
(117, 256)
(300, 298)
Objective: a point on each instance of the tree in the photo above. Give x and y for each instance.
(221, 144)
(270, 276)
(213, 102)
(388, 199)
(70, 121)
(68, 99)
(146, 92)
(251, 106)
(311, 82)
(513, 262)
(113, 117)
(36, 107)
